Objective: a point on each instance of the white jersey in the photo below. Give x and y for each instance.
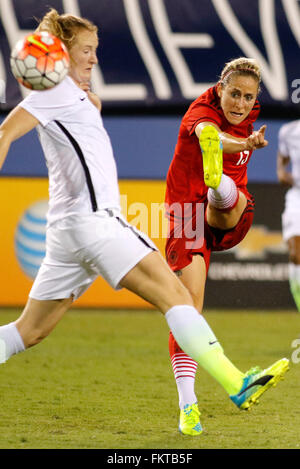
(81, 166)
(289, 146)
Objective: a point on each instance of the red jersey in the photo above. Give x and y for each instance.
(185, 181)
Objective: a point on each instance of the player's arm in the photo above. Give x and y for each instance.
(234, 144)
(18, 123)
(284, 176)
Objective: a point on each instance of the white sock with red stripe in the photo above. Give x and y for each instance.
(184, 369)
(225, 197)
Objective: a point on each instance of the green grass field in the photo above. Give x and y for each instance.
(103, 380)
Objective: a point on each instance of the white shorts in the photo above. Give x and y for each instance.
(291, 214)
(80, 248)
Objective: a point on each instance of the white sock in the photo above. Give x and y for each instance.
(226, 194)
(184, 369)
(196, 339)
(185, 388)
(11, 342)
(191, 331)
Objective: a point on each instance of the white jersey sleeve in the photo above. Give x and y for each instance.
(48, 105)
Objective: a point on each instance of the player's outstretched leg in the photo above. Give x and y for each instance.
(257, 381)
(195, 337)
(35, 323)
(223, 194)
(151, 279)
(212, 155)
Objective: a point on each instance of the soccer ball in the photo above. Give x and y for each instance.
(39, 61)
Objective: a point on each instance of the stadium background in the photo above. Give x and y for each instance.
(155, 57)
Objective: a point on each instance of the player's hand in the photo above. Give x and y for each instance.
(257, 139)
(92, 96)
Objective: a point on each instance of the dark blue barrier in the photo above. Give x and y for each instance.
(143, 148)
(162, 53)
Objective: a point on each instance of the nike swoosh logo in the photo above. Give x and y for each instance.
(259, 382)
(214, 342)
(82, 99)
(37, 43)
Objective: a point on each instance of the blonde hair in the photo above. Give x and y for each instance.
(65, 26)
(241, 66)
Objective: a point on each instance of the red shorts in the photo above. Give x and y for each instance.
(180, 250)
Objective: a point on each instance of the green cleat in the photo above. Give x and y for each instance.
(189, 421)
(257, 381)
(212, 155)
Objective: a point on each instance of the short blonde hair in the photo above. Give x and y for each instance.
(242, 66)
(65, 26)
